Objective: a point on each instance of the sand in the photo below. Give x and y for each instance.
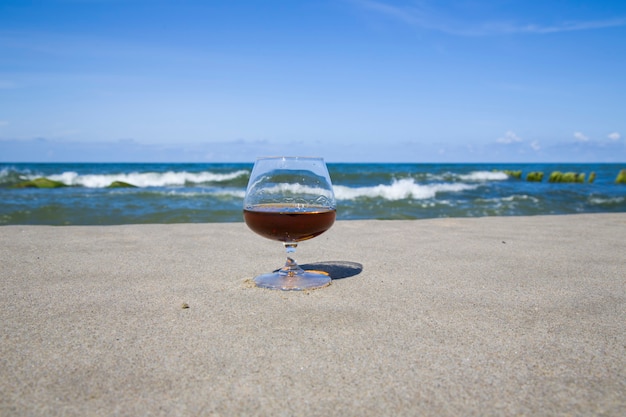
(443, 317)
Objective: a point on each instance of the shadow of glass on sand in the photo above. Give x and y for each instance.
(336, 269)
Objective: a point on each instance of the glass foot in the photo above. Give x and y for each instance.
(305, 280)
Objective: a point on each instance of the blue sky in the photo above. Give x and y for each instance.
(349, 80)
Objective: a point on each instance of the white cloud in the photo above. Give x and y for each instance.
(424, 15)
(509, 137)
(614, 136)
(535, 145)
(580, 137)
(571, 26)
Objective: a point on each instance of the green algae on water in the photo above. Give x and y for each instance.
(513, 174)
(592, 177)
(121, 184)
(567, 177)
(40, 183)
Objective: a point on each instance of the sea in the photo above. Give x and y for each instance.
(214, 192)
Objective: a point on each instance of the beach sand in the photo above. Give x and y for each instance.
(441, 317)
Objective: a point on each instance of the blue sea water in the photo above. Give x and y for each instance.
(198, 193)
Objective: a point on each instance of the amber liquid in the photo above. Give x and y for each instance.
(289, 223)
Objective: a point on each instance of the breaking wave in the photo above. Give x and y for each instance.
(484, 176)
(402, 189)
(146, 179)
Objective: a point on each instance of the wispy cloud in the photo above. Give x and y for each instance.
(425, 16)
(411, 14)
(580, 137)
(509, 137)
(615, 136)
(571, 26)
(513, 143)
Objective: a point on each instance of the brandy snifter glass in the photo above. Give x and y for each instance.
(290, 199)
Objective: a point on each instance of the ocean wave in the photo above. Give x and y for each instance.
(399, 190)
(174, 193)
(285, 188)
(11, 175)
(145, 179)
(183, 192)
(607, 201)
(484, 176)
(510, 199)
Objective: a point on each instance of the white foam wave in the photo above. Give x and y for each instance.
(521, 197)
(607, 201)
(215, 193)
(509, 201)
(484, 176)
(298, 188)
(145, 179)
(231, 193)
(398, 190)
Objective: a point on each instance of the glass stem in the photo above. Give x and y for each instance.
(291, 267)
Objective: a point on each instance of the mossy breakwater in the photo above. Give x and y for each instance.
(558, 176)
(40, 183)
(513, 174)
(562, 177)
(121, 184)
(43, 182)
